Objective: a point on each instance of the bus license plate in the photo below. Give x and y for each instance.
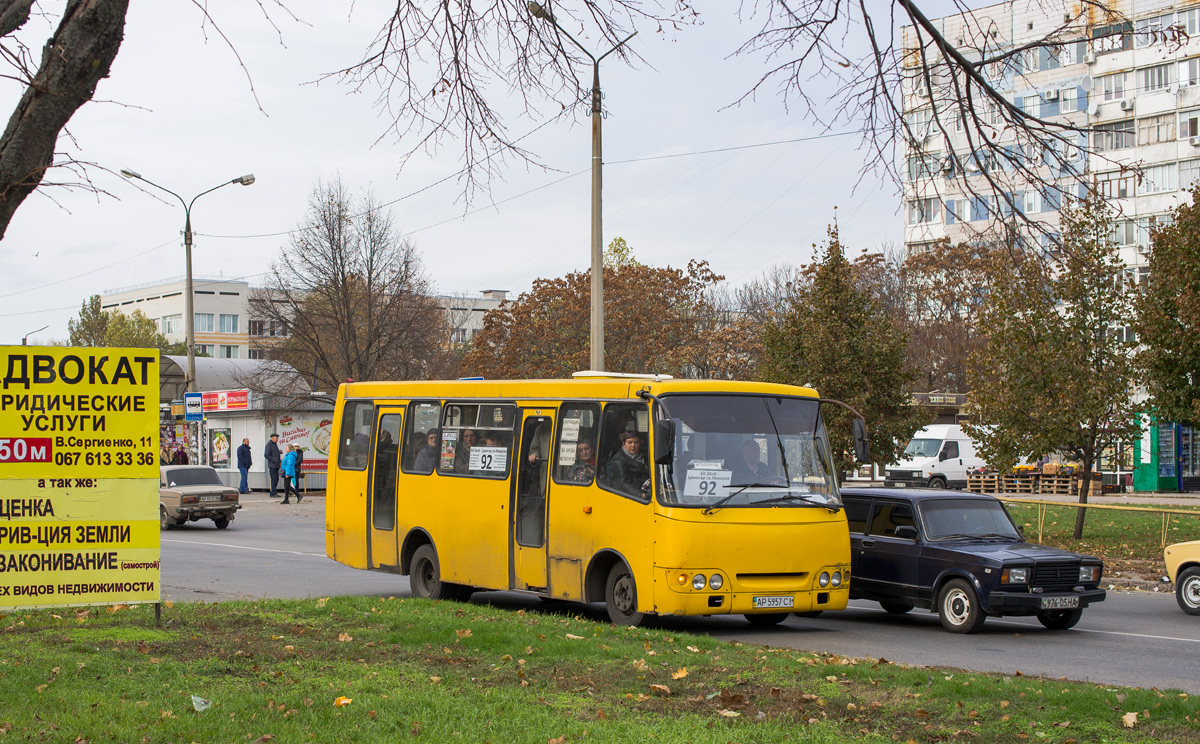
(774, 602)
(1060, 603)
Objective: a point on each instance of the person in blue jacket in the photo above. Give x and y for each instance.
(289, 476)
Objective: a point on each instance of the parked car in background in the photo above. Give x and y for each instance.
(1183, 568)
(960, 555)
(189, 493)
(937, 456)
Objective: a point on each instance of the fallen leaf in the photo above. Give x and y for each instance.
(435, 680)
(1129, 719)
(1003, 703)
(574, 637)
(559, 740)
(342, 701)
(322, 601)
(639, 664)
(831, 678)
(343, 637)
(463, 633)
(679, 674)
(729, 713)
(660, 689)
(264, 738)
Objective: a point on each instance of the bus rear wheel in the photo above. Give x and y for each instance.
(620, 597)
(425, 576)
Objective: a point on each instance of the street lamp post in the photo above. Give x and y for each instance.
(597, 314)
(25, 338)
(190, 318)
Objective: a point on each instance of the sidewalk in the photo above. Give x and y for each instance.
(1145, 498)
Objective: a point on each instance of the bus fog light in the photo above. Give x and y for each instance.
(698, 581)
(823, 579)
(716, 582)
(836, 580)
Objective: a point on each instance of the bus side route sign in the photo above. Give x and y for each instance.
(78, 476)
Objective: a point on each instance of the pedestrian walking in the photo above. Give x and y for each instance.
(273, 457)
(289, 476)
(244, 463)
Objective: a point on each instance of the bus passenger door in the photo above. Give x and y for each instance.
(528, 552)
(381, 514)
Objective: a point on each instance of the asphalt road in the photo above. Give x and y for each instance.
(1136, 639)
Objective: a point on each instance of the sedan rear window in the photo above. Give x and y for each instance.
(201, 476)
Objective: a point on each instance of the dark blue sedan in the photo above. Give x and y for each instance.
(960, 554)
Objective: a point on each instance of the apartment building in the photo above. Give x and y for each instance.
(225, 328)
(1130, 81)
(221, 305)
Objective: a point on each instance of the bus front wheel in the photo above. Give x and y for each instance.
(425, 576)
(620, 597)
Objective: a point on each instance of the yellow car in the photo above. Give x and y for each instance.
(1183, 566)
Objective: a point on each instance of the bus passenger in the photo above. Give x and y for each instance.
(428, 456)
(627, 471)
(462, 452)
(584, 468)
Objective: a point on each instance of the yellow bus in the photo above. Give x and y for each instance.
(649, 494)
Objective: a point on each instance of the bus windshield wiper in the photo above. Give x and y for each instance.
(805, 499)
(740, 487)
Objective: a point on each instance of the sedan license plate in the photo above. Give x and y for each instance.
(1060, 603)
(773, 602)
(213, 497)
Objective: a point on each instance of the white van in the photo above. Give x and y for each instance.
(938, 456)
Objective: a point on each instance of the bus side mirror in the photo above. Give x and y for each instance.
(862, 449)
(664, 442)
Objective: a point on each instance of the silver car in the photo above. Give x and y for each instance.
(189, 493)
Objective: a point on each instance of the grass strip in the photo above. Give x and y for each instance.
(363, 669)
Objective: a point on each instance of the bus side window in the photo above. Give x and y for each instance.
(615, 464)
(355, 439)
(575, 461)
(422, 419)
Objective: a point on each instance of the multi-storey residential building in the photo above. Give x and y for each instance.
(221, 306)
(1127, 80)
(225, 328)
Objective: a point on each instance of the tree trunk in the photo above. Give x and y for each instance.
(74, 60)
(1085, 486)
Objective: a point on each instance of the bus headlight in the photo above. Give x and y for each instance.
(715, 582)
(823, 579)
(698, 581)
(836, 580)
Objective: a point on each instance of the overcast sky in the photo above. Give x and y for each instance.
(179, 110)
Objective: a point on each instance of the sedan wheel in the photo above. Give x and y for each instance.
(1187, 591)
(164, 521)
(958, 608)
(1060, 619)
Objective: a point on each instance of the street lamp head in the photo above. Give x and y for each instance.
(245, 180)
(130, 173)
(537, 11)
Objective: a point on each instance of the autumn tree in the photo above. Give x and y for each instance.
(353, 296)
(944, 288)
(97, 327)
(1169, 316)
(651, 323)
(1052, 375)
(835, 338)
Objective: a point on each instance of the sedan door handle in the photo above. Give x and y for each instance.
(868, 543)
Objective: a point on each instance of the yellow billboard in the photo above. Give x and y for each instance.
(79, 463)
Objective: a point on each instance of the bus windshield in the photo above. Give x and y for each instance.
(747, 451)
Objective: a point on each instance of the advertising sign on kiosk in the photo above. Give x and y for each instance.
(78, 476)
